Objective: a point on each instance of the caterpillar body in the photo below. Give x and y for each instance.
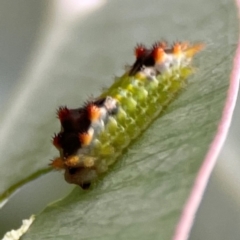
(93, 136)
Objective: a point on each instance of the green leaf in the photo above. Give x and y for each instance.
(143, 195)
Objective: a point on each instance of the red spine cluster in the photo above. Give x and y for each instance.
(75, 124)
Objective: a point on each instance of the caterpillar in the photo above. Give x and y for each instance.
(94, 135)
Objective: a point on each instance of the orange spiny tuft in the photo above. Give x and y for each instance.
(177, 49)
(184, 45)
(191, 51)
(63, 113)
(72, 161)
(139, 50)
(56, 140)
(93, 112)
(57, 163)
(86, 137)
(158, 54)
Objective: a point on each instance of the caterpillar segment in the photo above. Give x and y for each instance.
(93, 136)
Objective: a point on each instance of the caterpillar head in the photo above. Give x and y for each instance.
(81, 176)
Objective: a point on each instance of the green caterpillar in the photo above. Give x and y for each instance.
(93, 136)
